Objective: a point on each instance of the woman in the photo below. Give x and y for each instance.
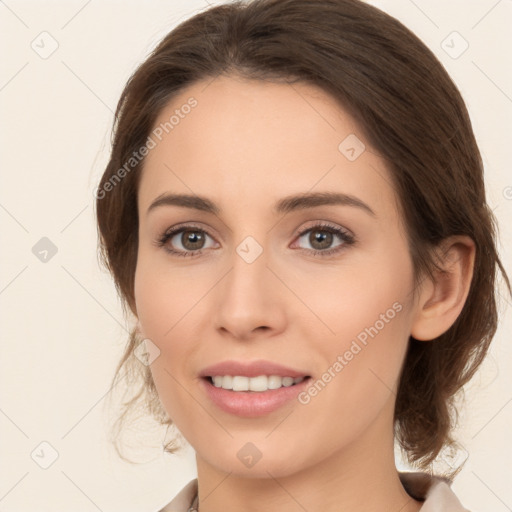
(294, 212)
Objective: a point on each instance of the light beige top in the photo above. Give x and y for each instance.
(434, 491)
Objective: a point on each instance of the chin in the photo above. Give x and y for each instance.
(256, 460)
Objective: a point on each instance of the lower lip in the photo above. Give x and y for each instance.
(251, 404)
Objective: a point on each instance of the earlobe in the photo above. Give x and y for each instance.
(443, 297)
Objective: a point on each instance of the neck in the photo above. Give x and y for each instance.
(357, 478)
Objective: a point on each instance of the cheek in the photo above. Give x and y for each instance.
(365, 293)
(165, 295)
(169, 305)
(361, 360)
(365, 325)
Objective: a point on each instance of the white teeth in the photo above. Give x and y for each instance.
(226, 382)
(274, 382)
(287, 381)
(239, 383)
(260, 383)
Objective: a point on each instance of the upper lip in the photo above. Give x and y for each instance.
(251, 369)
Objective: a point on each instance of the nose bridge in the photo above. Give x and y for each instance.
(247, 299)
(247, 280)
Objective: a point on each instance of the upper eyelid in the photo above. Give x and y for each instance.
(315, 224)
(324, 225)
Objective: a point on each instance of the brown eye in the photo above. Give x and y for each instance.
(185, 241)
(322, 238)
(192, 239)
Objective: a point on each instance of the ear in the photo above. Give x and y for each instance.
(442, 298)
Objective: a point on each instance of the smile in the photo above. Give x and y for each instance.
(251, 397)
(258, 384)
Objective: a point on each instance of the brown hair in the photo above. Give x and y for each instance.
(408, 109)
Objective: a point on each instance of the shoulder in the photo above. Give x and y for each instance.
(183, 500)
(434, 491)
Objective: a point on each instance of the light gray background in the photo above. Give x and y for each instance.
(62, 325)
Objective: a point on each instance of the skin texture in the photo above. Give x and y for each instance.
(246, 145)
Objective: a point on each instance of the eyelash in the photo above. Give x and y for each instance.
(347, 239)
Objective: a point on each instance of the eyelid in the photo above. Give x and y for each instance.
(190, 226)
(323, 224)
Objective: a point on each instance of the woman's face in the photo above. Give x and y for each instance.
(264, 274)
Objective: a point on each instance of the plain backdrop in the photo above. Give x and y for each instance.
(64, 64)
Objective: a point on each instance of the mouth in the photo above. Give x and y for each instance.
(252, 388)
(252, 397)
(258, 384)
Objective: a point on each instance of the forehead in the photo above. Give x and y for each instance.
(250, 139)
(246, 115)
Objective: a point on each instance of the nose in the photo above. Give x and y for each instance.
(250, 300)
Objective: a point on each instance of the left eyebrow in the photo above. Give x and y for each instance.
(311, 200)
(284, 205)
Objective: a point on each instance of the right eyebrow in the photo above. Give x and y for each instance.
(185, 201)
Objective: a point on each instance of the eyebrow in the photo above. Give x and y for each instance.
(284, 205)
